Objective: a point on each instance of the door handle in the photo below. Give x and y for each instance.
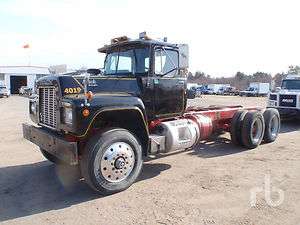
(181, 82)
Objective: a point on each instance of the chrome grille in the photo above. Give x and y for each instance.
(48, 106)
(288, 100)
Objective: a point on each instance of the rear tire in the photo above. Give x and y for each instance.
(272, 122)
(111, 161)
(236, 127)
(253, 129)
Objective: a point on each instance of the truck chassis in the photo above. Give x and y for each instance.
(105, 123)
(248, 127)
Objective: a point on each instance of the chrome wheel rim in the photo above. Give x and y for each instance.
(274, 126)
(117, 162)
(256, 130)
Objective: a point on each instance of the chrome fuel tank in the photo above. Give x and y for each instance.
(179, 134)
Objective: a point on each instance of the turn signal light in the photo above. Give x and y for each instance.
(86, 112)
(89, 95)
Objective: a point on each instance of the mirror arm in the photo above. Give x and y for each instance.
(177, 68)
(86, 82)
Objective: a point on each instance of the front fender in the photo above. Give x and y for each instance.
(99, 115)
(131, 118)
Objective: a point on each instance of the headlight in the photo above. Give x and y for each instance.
(273, 97)
(33, 107)
(68, 115)
(272, 103)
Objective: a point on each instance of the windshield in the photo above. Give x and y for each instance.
(128, 62)
(291, 84)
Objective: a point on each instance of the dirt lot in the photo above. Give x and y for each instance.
(211, 184)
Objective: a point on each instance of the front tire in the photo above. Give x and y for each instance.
(111, 161)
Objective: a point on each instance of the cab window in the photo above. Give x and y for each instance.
(129, 62)
(166, 62)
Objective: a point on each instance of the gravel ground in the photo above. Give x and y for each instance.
(211, 184)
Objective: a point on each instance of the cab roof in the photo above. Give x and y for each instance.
(146, 42)
(292, 77)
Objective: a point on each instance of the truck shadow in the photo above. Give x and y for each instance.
(290, 126)
(216, 146)
(39, 187)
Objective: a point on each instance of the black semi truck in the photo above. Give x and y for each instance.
(105, 121)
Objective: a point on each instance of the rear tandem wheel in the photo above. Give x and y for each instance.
(253, 129)
(236, 127)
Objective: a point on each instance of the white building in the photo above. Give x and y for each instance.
(13, 77)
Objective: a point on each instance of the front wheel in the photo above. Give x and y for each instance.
(111, 161)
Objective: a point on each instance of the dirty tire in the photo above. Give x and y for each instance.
(236, 127)
(50, 157)
(253, 128)
(272, 122)
(97, 156)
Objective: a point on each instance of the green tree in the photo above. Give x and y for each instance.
(240, 76)
(278, 78)
(294, 70)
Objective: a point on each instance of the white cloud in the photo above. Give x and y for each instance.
(224, 36)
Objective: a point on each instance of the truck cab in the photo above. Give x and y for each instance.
(143, 80)
(153, 68)
(287, 98)
(144, 74)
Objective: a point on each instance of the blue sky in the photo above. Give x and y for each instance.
(224, 36)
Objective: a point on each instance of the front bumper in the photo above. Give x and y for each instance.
(288, 112)
(52, 143)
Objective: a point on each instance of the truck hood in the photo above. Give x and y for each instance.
(99, 95)
(108, 93)
(73, 87)
(289, 91)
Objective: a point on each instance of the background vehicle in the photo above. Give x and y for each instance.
(199, 91)
(106, 122)
(231, 91)
(256, 89)
(191, 85)
(24, 90)
(208, 91)
(4, 92)
(214, 88)
(287, 98)
(191, 93)
(222, 89)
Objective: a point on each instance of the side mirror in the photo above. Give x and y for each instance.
(183, 56)
(278, 89)
(94, 71)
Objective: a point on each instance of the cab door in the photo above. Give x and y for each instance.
(169, 87)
